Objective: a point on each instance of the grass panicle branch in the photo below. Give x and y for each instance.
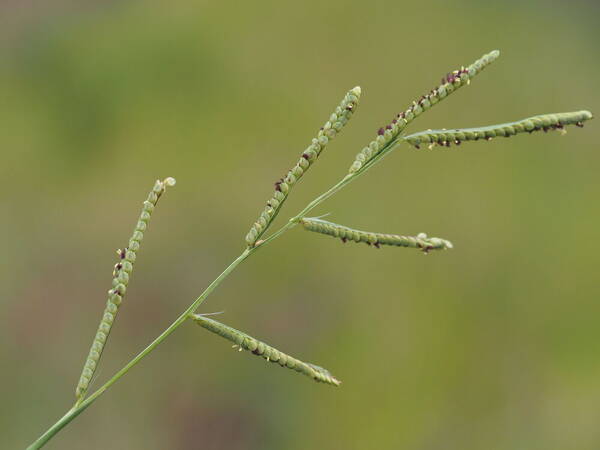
(338, 119)
(545, 122)
(421, 241)
(121, 274)
(243, 341)
(388, 138)
(388, 134)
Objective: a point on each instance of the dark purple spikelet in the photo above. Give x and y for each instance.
(388, 127)
(451, 77)
(344, 240)
(457, 141)
(579, 124)
(380, 132)
(376, 244)
(305, 156)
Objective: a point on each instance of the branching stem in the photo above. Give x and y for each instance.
(369, 156)
(83, 403)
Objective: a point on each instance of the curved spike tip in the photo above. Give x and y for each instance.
(169, 181)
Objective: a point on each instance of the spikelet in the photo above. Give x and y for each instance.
(121, 273)
(332, 127)
(421, 241)
(387, 135)
(245, 342)
(545, 122)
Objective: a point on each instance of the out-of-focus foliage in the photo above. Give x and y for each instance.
(493, 345)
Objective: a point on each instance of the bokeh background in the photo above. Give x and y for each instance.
(495, 344)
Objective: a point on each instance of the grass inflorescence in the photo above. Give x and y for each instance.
(388, 138)
(544, 122)
(243, 341)
(121, 273)
(421, 241)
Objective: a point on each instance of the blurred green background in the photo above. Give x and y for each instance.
(494, 345)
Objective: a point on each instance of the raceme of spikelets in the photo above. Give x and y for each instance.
(545, 122)
(421, 241)
(121, 273)
(332, 127)
(246, 342)
(450, 83)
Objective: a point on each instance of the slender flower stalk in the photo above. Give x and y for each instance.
(244, 341)
(121, 274)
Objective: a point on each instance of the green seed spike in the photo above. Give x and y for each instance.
(332, 127)
(387, 136)
(245, 342)
(421, 241)
(121, 274)
(545, 122)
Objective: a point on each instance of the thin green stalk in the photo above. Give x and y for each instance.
(84, 403)
(294, 220)
(324, 196)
